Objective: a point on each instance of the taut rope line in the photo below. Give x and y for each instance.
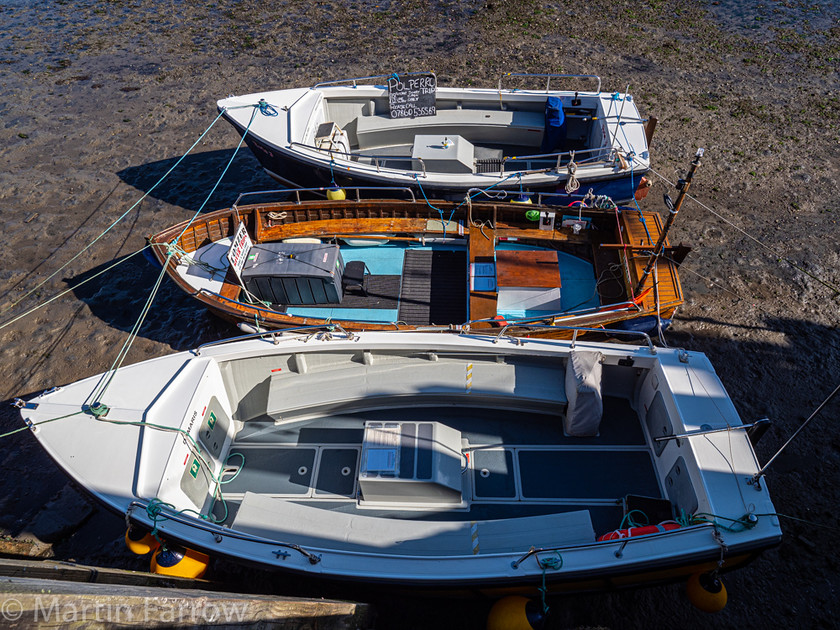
(779, 256)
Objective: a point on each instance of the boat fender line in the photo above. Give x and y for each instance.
(140, 540)
(706, 592)
(515, 612)
(554, 563)
(643, 188)
(630, 532)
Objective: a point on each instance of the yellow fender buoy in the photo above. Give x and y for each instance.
(177, 561)
(706, 592)
(140, 541)
(521, 199)
(336, 194)
(515, 612)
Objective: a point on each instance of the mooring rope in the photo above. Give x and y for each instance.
(73, 288)
(110, 227)
(108, 377)
(219, 181)
(775, 253)
(555, 564)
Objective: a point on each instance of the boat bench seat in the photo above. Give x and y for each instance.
(476, 126)
(351, 383)
(281, 520)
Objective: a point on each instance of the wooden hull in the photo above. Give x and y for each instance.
(616, 245)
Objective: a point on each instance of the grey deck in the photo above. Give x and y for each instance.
(531, 467)
(382, 292)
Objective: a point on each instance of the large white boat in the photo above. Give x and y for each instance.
(432, 460)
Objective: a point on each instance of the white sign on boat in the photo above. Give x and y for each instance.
(239, 249)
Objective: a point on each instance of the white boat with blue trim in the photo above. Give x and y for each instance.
(440, 461)
(446, 140)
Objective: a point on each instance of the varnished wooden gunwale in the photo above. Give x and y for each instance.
(270, 222)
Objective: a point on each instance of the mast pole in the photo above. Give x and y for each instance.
(683, 185)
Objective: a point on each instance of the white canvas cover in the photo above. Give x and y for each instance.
(583, 390)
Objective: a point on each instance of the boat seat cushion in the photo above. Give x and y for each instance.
(583, 389)
(352, 382)
(280, 519)
(497, 127)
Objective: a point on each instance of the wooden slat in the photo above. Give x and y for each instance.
(482, 249)
(564, 234)
(635, 234)
(329, 227)
(230, 287)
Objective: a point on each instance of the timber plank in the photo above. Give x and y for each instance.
(482, 248)
(38, 603)
(527, 269)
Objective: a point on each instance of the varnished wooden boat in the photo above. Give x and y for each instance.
(432, 265)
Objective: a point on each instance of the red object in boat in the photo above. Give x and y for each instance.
(638, 531)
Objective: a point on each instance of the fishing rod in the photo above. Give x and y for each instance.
(673, 208)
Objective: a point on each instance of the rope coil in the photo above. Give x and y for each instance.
(572, 183)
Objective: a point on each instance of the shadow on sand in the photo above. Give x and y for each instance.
(190, 183)
(118, 297)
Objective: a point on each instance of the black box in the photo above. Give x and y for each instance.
(294, 273)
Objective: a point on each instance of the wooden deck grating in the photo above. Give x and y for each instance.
(638, 233)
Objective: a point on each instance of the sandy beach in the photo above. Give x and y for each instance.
(99, 99)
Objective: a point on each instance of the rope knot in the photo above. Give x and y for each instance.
(555, 564)
(98, 410)
(266, 109)
(572, 184)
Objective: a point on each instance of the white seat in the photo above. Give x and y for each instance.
(476, 126)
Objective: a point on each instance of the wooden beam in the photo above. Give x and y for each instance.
(37, 603)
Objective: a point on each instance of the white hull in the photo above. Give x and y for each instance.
(495, 139)
(499, 501)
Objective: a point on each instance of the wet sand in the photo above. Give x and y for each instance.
(99, 99)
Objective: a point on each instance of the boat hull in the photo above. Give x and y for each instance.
(344, 133)
(317, 220)
(133, 448)
(294, 169)
(641, 575)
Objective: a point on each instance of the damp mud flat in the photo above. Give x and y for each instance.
(98, 100)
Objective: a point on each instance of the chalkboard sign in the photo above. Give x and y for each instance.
(412, 96)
